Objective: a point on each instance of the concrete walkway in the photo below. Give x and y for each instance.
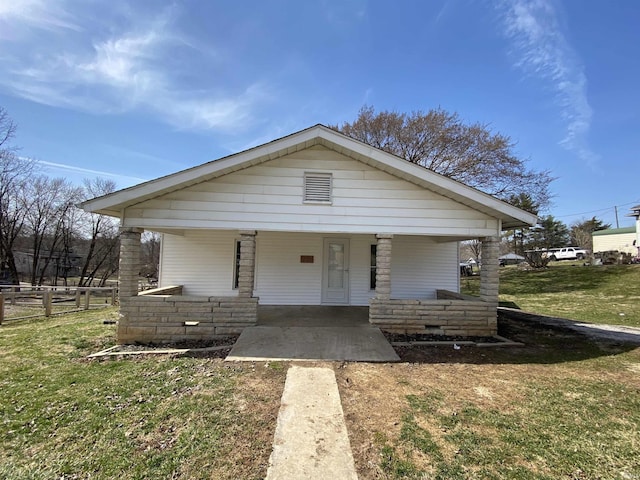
(311, 440)
(616, 333)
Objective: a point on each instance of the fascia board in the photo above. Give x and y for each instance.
(434, 181)
(113, 203)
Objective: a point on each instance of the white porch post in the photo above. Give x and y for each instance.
(129, 267)
(489, 273)
(383, 266)
(247, 263)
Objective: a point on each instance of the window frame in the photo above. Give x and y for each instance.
(373, 267)
(236, 264)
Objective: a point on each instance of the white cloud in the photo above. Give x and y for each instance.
(43, 14)
(121, 62)
(131, 69)
(61, 167)
(541, 49)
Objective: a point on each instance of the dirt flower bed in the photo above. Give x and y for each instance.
(209, 348)
(424, 337)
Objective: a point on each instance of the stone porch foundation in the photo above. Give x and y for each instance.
(449, 314)
(177, 318)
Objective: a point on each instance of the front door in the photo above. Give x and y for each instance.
(335, 272)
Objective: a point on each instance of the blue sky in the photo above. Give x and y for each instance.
(132, 90)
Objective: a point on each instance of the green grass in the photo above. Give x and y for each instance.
(63, 416)
(598, 294)
(580, 429)
(560, 407)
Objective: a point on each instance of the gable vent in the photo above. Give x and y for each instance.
(317, 187)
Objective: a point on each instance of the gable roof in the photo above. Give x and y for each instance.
(114, 204)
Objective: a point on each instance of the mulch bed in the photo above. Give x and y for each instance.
(190, 344)
(425, 337)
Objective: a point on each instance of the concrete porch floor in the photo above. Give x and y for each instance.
(312, 316)
(308, 333)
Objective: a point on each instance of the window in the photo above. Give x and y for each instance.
(236, 268)
(372, 274)
(317, 187)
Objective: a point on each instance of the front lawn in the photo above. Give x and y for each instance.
(150, 417)
(561, 406)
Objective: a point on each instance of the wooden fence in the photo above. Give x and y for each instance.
(19, 303)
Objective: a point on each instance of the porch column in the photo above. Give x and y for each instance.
(383, 266)
(247, 263)
(129, 268)
(489, 273)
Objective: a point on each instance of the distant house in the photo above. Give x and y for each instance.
(314, 218)
(511, 259)
(625, 240)
(50, 264)
(620, 239)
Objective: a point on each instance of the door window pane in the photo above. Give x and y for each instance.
(336, 265)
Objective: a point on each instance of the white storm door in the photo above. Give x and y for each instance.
(335, 271)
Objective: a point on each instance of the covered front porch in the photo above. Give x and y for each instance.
(173, 314)
(313, 333)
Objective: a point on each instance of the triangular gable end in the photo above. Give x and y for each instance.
(115, 203)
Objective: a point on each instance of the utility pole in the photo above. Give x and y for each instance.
(617, 223)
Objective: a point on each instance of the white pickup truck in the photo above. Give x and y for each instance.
(567, 253)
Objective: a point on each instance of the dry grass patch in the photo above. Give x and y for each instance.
(561, 407)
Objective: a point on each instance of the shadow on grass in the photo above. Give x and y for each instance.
(542, 345)
(509, 305)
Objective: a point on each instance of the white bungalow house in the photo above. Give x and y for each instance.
(314, 218)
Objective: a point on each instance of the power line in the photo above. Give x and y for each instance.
(600, 210)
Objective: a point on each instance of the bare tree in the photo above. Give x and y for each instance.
(38, 216)
(47, 206)
(440, 141)
(150, 255)
(7, 132)
(15, 173)
(475, 247)
(101, 233)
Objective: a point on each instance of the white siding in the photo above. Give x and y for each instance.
(282, 280)
(420, 266)
(203, 262)
(623, 242)
(270, 197)
(280, 277)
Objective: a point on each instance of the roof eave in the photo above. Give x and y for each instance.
(512, 217)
